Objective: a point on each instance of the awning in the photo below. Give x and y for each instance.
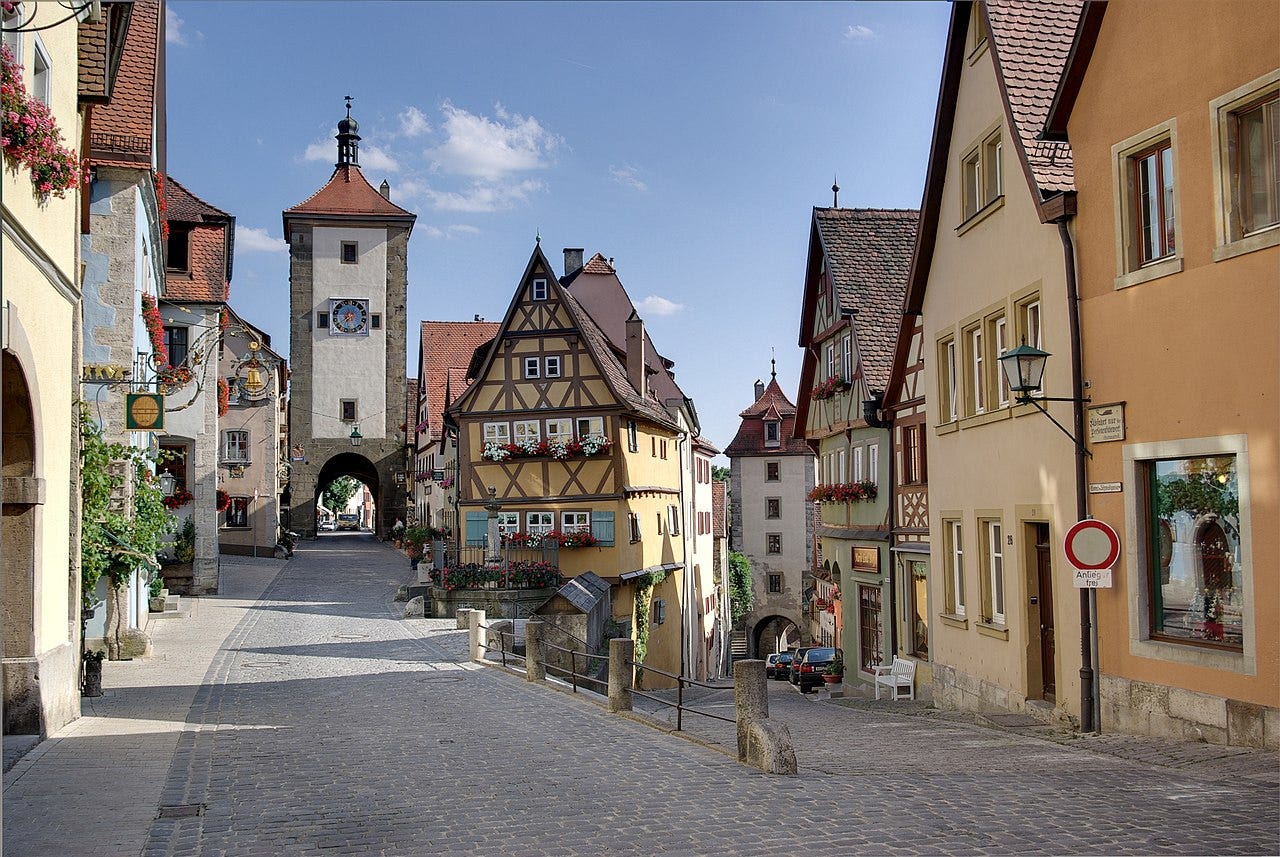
(632, 575)
(910, 547)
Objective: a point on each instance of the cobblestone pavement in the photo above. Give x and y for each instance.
(325, 725)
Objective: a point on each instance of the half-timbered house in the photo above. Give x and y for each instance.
(854, 285)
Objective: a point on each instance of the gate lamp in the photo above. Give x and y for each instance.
(356, 437)
(167, 484)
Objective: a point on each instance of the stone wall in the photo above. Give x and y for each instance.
(496, 603)
(1172, 712)
(959, 690)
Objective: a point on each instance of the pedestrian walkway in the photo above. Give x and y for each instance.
(297, 714)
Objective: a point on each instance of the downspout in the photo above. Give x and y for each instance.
(1088, 602)
(686, 626)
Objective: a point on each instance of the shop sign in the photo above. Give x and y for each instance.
(1106, 423)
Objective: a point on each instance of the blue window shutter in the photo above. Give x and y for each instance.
(477, 527)
(602, 527)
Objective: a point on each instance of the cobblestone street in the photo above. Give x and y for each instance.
(297, 714)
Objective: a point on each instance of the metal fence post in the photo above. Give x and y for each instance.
(534, 669)
(622, 674)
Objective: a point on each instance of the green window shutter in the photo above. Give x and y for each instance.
(602, 527)
(477, 527)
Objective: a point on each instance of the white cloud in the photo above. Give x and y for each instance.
(655, 305)
(628, 177)
(413, 123)
(484, 197)
(455, 230)
(490, 149)
(173, 32)
(858, 32)
(371, 157)
(463, 229)
(250, 238)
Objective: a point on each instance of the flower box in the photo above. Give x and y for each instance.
(844, 492)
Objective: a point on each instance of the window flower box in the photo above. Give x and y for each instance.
(831, 386)
(844, 492)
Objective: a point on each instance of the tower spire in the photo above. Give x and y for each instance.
(348, 139)
(835, 193)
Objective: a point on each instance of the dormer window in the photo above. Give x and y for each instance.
(539, 290)
(177, 252)
(772, 433)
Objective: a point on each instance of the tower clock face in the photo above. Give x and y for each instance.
(348, 316)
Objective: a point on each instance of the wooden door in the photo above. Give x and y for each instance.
(1044, 577)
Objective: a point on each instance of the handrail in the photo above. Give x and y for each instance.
(502, 643)
(679, 705)
(574, 675)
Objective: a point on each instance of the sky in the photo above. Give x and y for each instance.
(688, 142)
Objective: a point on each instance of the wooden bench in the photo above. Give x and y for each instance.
(899, 677)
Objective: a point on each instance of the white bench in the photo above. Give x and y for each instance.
(899, 677)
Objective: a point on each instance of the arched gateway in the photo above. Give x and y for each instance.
(348, 258)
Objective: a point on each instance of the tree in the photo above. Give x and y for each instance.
(739, 587)
(338, 492)
(719, 474)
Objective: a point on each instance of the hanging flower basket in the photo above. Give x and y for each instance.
(224, 397)
(223, 500)
(30, 136)
(178, 499)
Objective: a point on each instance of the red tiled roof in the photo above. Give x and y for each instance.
(183, 206)
(205, 281)
(447, 347)
(868, 252)
(121, 130)
(410, 404)
(719, 509)
(772, 404)
(772, 397)
(1031, 42)
(598, 264)
(349, 193)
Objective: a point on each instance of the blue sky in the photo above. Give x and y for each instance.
(688, 142)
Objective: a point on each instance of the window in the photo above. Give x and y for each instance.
(662, 449)
(859, 474)
(175, 342)
(873, 463)
(977, 381)
(508, 523)
(497, 433)
(350, 252)
(1152, 181)
(1000, 343)
(1194, 536)
(173, 460)
(772, 471)
(653, 447)
(375, 321)
(633, 521)
(589, 426)
(831, 359)
(846, 357)
(527, 431)
(673, 520)
(177, 249)
(12, 38)
(659, 611)
(41, 73)
(913, 450)
(772, 433)
(1246, 148)
(633, 437)
(348, 407)
(553, 367)
(560, 429)
(775, 582)
(916, 609)
(1147, 203)
(238, 514)
(994, 594)
(955, 570)
(773, 507)
(322, 320)
(977, 29)
(575, 522)
(773, 543)
(981, 171)
(539, 290)
(947, 380)
(659, 529)
(532, 367)
(235, 446)
(540, 523)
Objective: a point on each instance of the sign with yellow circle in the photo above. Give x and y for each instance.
(143, 412)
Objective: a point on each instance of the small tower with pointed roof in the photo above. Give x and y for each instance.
(348, 282)
(771, 473)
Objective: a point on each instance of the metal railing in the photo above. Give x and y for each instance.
(573, 673)
(502, 642)
(679, 705)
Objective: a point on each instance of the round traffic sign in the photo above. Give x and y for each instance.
(1092, 545)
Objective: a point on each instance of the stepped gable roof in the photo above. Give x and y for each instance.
(597, 288)
(210, 248)
(122, 130)
(772, 404)
(868, 252)
(348, 194)
(446, 352)
(719, 508)
(1031, 43)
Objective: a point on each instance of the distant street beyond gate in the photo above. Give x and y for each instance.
(296, 713)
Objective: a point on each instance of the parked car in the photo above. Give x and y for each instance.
(777, 665)
(328, 526)
(815, 663)
(793, 674)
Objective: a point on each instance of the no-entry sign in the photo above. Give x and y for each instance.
(1092, 548)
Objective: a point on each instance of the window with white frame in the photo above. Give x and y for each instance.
(590, 425)
(540, 523)
(955, 569)
(508, 523)
(539, 290)
(527, 431)
(532, 367)
(846, 357)
(947, 380)
(1000, 342)
(41, 73)
(873, 463)
(497, 433)
(633, 436)
(235, 446)
(994, 594)
(633, 521)
(981, 171)
(673, 520)
(552, 366)
(560, 429)
(831, 359)
(1246, 148)
(575, 522)
(772, 433)
(977, 372)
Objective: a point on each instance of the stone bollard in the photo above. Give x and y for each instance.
(463, 621)
(479, 635)
(534, 670)
(762, 743)
(622, 651)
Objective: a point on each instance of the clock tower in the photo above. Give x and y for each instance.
(348, 279)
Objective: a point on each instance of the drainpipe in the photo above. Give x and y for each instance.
(1088, 603)
(687, 636)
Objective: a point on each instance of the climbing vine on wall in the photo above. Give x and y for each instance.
(644, 591)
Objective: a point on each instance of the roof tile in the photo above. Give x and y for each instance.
(447, 347)
(348, 192)
(121, 134)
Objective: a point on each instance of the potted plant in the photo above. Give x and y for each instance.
(156, 595)
(834, 673)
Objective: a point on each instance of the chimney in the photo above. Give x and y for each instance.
(572, 259)
(635, 355)
(385, 190)
(759, 389)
